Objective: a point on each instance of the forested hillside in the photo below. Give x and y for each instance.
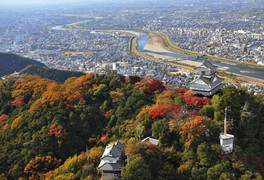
(10, 63)
(53, 74)
(45, 128)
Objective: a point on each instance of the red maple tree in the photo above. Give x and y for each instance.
(163, 110)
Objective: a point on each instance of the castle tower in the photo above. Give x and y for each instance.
(207, 83)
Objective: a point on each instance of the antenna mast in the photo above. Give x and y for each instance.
(225, 121)
(87, 155)
(139, 131)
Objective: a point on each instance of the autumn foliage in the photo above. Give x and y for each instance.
(155, 85)
(56, 130)
(163, 110)
(195, 128)
(18, 100)
(44, 123)
(151, 85)
(30, 85)
(195, 101)
(180, 91)
(103, 137)
(38, 165)
(16, 122)
(74, 89)
(3, 119)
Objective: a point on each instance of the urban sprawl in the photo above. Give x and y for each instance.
(66, 39)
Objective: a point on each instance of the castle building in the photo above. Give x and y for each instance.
(207, 83)
(112, 161)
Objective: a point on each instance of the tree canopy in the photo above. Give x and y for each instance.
(51, 130)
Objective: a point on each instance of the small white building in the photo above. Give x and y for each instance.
(150, 141)
(226, 140)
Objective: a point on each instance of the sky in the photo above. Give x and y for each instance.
(39, 2)
(4, 3)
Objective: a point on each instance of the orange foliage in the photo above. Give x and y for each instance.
(107, 114)
(89, 76)
(3, 119)
(167, 94)
(30, 85)
(144, 112)
(16, 122)
(195, 128)
(139, 84)
(102, 139)
(57, 131)
(39, 165)
(18, 101)
(51, 96)
(131, 147)
(36, 106)
(167, 97)
(74, 89)
(95, 154)
(185, 167)
(151, 85)
(180, 91)
(5, 127)
(195, 101)
(163, 110)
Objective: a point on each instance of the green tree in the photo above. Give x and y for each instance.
(216, 171)
(207, 110)
(160, 128)
(203, 154)
(136, 169)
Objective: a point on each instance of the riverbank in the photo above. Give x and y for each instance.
(162, 44)
(166, 43)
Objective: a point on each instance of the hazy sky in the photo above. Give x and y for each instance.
(73, 2)
(32, 2)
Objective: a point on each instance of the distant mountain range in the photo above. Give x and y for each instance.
(9, 63)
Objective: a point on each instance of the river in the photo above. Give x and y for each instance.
(236, 69)
(143, 40)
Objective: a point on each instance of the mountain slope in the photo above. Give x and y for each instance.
(45, 127)
(10, 63)
(53, 74)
